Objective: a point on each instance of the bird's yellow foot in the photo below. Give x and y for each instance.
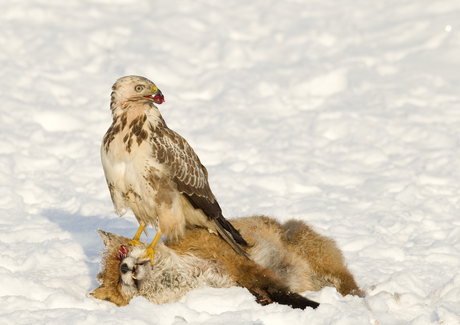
(150, 253)
(134, 242)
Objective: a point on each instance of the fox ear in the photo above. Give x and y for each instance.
(100, 293)
(109, 295)
(112, 239)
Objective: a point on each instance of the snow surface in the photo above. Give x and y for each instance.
(345, 114)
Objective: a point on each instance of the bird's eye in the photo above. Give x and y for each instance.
(139, 88)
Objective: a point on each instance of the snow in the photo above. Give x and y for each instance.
(345, 115)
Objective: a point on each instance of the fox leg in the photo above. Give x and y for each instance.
(135, 241)
(274, 290)
(150, 251)
(266, 286)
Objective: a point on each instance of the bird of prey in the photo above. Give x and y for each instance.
(153, 171)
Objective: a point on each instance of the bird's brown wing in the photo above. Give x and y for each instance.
(191, 179)
(186, 170)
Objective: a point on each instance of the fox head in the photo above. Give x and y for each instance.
(124, 270)
(125, 273)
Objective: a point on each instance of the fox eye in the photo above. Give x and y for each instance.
(138, 88)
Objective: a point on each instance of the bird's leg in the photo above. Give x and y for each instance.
(135, 241)
(150, 251)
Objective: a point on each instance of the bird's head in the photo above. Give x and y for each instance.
(135, 88)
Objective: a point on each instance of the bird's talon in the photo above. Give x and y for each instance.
(134, 242)
(150, 254)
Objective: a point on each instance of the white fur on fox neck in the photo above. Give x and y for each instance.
(171, 276)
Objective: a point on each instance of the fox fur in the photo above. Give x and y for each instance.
(285, 259)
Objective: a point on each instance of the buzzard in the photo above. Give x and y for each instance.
(154, 172)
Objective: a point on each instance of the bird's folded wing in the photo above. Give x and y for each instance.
(186, 170)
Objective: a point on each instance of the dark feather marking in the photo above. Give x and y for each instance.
(229, 227)
(110, 135)
(211, 209)
(112, 191)
(203, 194)
(190, 176)
(124, 120)
(163, 196)
(136, 128)
(141, 137)
(114, 129)
(134, 122)
(214, 213)
(130, 191)
(153, 179)
(230, 237)
(128, 145)
(191, 179)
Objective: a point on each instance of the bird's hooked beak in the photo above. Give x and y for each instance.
(156, 96)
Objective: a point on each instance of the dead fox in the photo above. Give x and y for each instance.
(285, 259)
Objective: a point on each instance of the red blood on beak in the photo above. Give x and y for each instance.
(159, 99)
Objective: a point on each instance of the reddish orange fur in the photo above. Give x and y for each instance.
(290, 258)
(109, 276)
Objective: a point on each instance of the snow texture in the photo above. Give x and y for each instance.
(343, 114)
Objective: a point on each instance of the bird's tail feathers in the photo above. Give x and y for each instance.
(230, 235)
